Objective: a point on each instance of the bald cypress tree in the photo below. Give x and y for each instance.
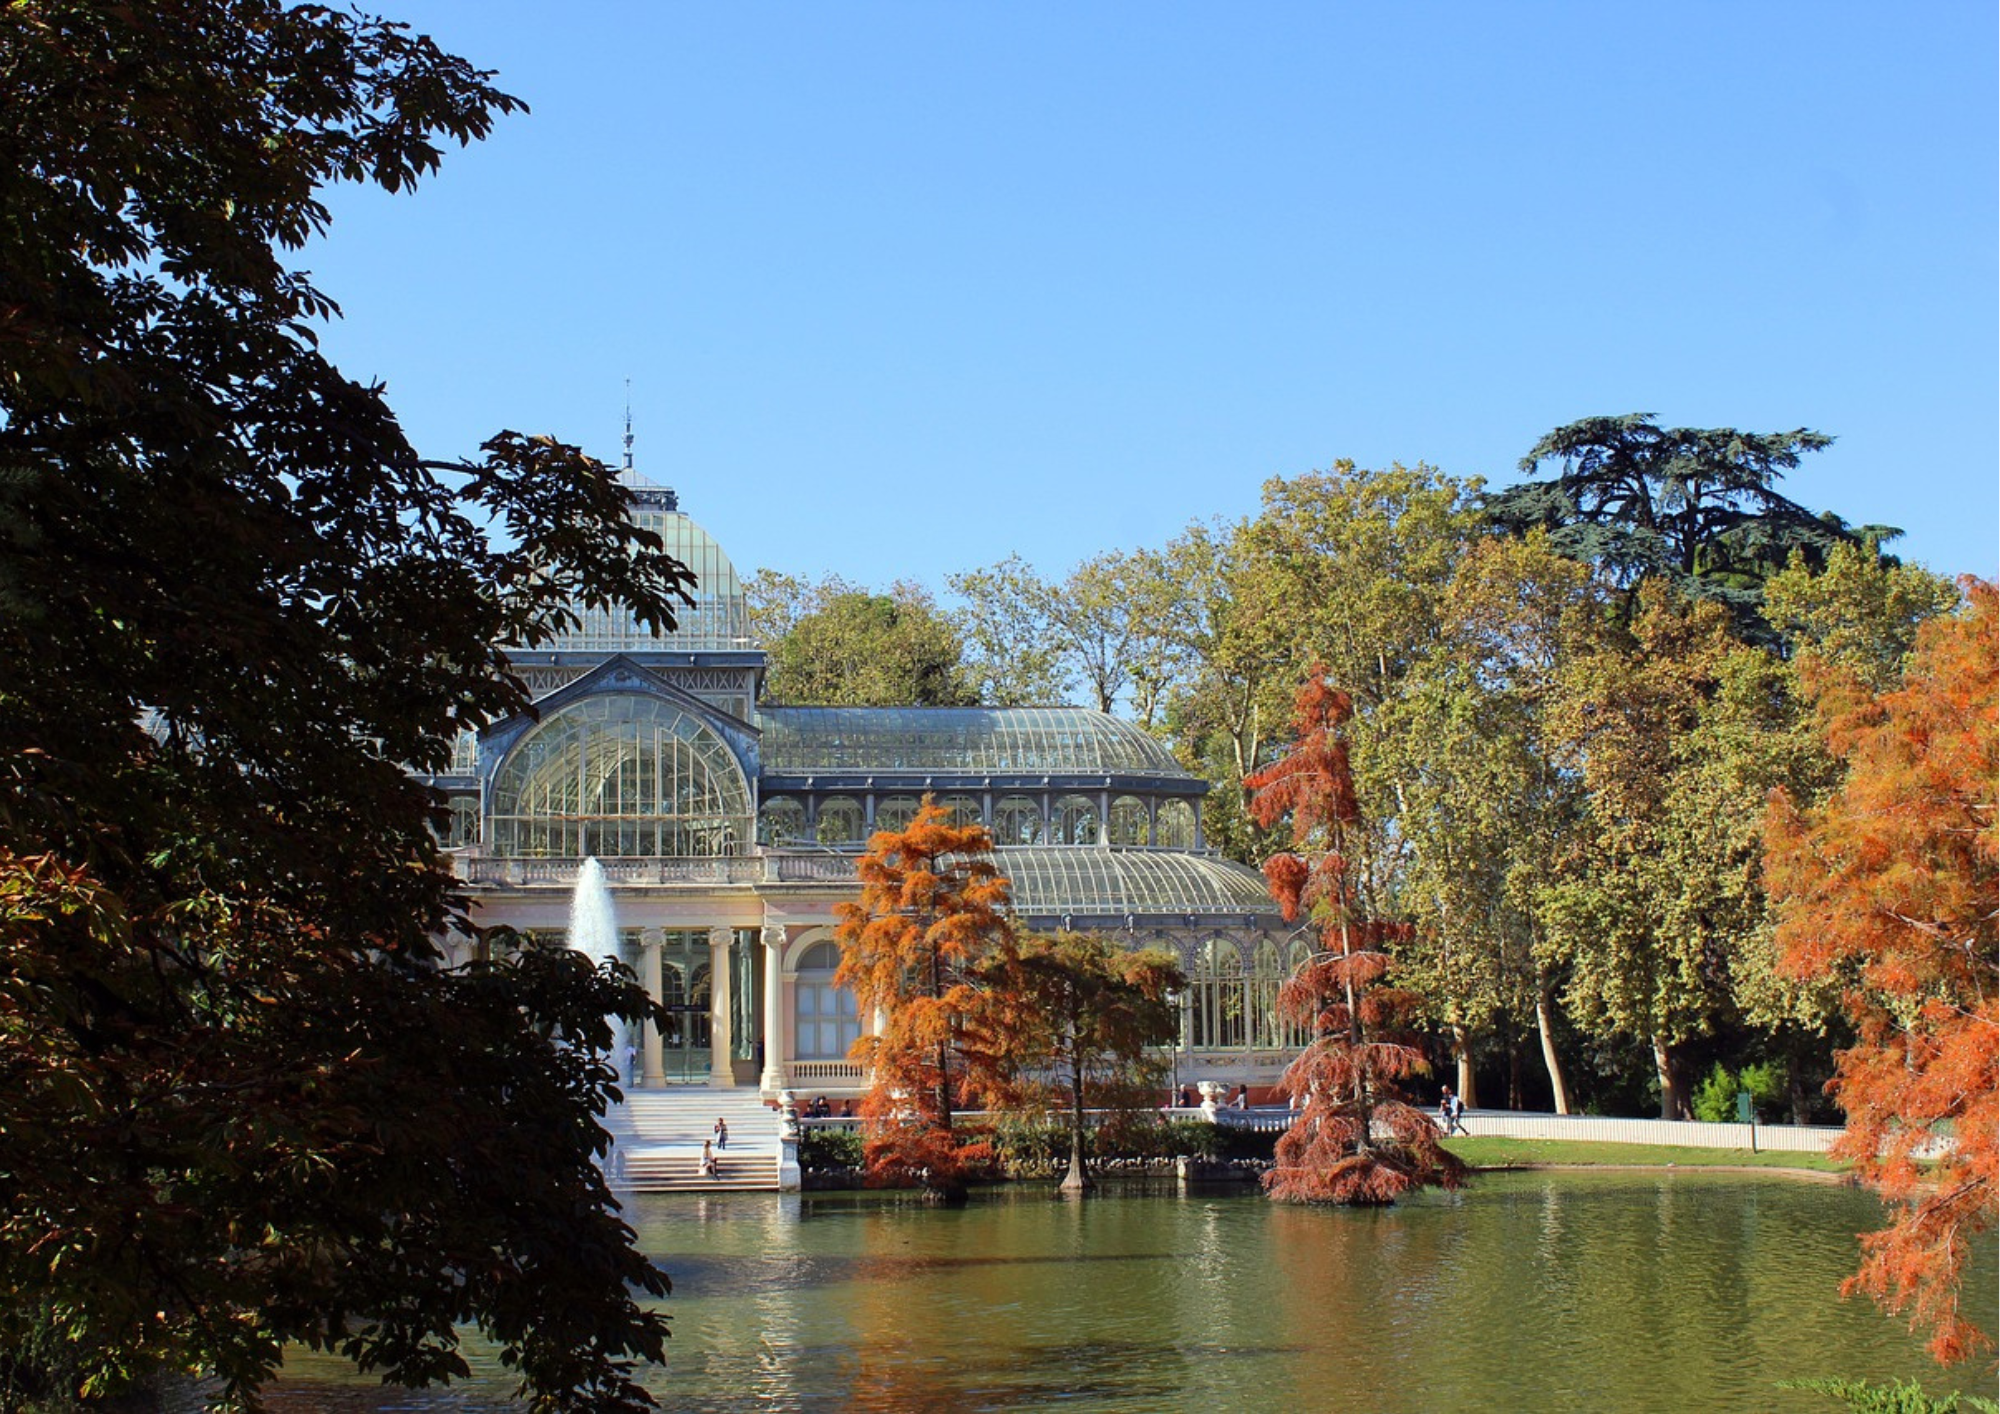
(1357, 1139)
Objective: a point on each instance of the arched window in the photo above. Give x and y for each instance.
(894, 812)
(825, 1022)
(464, 827)
(841, 823)
(684, 990)
(781, 822)
(1017, 819)
(1175, 825)
(620, 775)
(1216, 998)
(1076, 820)
(1267, 974)
(1129, 824)
(1296, 1034)
(965, 809)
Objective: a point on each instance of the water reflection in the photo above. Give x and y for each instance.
(1532, 1292)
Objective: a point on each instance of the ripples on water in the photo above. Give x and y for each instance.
(1529, 1292)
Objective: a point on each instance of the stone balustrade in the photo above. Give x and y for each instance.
(492, 871)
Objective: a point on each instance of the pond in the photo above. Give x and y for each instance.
(1535, 1292)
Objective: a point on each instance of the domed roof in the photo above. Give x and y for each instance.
(717, 621)
(946, 740)
(1093, 882)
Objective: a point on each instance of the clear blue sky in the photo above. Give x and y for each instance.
(901, 289)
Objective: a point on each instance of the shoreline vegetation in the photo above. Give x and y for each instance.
(1024, 1158)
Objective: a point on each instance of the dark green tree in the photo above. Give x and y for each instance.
(1697, 507)
(1076, 1019)
(243, 1102)
(832, 644)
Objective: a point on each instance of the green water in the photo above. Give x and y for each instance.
(1530, 1292)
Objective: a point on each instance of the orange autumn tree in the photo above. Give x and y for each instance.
(911, 949)
(1891, 884)
(1357, 1139)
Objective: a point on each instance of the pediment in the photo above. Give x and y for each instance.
(619, 675)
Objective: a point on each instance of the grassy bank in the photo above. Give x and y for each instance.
(1509, 1153)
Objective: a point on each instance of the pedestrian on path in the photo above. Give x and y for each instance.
(721, 1133)
(1451, 1113)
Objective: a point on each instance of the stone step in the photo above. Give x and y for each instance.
(667, 1173)
(660, 1134)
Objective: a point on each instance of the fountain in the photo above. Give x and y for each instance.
(593, 931)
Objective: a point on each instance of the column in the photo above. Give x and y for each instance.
(720, 1040)
(773, 1079)
(654, 1056)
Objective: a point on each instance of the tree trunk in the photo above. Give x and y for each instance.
(1795, 1084)
(1673, 1085)
(1545, 1015)
(1461, 1052)
(1077, 1180)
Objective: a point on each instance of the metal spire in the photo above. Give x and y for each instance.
(628, 424)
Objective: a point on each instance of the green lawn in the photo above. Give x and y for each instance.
(1504, 1153)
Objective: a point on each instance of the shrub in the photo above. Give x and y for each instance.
(1715, 1097)
(1030, 1143)
(1902, 1397)
(823, 1148)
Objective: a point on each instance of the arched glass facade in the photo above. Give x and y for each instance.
(620, 775)
(1175, 825)
(1216, 998)
(1267, 974)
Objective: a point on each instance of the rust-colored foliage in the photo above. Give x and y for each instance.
(928, 918)
(1357, 1139)
(1892, 883)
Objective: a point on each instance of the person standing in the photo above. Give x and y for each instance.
(721, 1133)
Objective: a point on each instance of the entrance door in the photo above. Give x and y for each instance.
(684, 988)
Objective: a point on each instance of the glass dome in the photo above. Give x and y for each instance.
(620, 775)
(1010, 740)
(717, 621)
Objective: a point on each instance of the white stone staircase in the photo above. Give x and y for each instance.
(659, 1134)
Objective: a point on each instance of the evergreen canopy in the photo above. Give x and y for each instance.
(1697, 507)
